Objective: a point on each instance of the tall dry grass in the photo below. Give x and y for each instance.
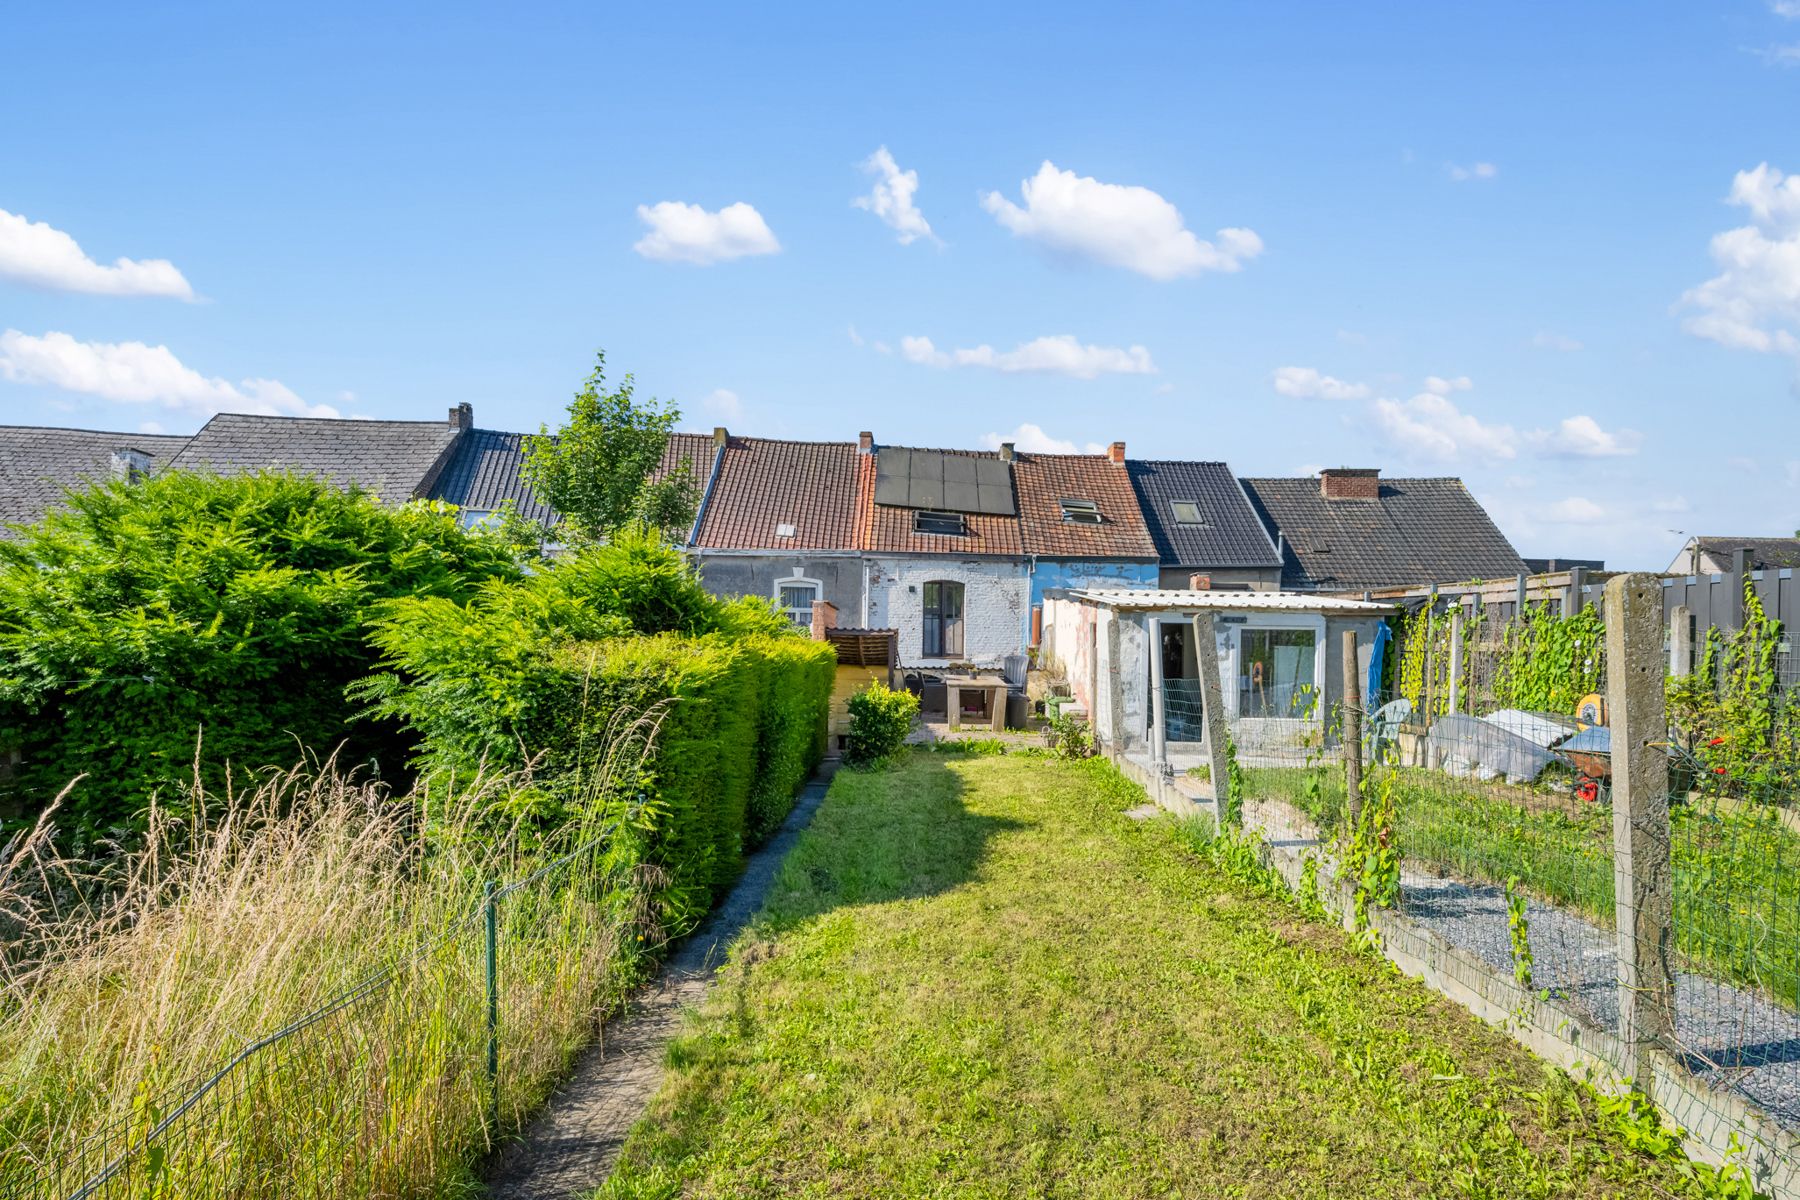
(138, 997)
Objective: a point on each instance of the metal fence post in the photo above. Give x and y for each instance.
(1206, 646)
(1352, 734)
(1643, 872)
(1159, 715)
(493, 1005)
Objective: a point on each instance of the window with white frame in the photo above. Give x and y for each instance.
(794, 596)
(1080, 512)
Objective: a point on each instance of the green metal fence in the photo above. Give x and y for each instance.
(392, 1085)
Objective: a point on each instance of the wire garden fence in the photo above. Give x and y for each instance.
(395, 1083)
(1494, 760)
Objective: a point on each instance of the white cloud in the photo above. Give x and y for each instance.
(33, 252)
(1480, 170)
(1754, 301)
(1058, 355)
(1545, 340)
(1306, 383)
(1582, 437)
(1575, 510)
(1120, 226)
(1352, 338)
(723, 404)
(151, 427)
(1780, 55)
(1431, 426)
(1786, 8)
(1033, 440)
(1439, 386)
(856, 339)
(134, 373)
(891, 199)
(688, 233)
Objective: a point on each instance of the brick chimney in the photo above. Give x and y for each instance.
(721, 437)
(1116, 453)
(462, 416)
(865, 442)
(824, 617)
(1350, 483)
(1006, 451)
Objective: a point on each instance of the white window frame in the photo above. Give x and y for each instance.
(1229, 669)
(797, 579)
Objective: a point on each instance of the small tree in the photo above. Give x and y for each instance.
(599, 470)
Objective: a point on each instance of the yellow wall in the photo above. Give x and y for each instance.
(850, 680)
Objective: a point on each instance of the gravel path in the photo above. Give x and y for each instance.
(1731, 1038)
(572, 1145)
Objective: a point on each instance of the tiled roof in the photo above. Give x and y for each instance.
(765, 485)
(1231, 536)
(486, 471)
(1041, 480)
(696, 449)
(1419, 531)
(38, 465)
(1766, 553)
(395, 460)
(886, 529)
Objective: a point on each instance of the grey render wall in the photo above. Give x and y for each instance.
(840, 577)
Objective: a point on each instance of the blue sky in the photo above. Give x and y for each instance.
(1550, 248)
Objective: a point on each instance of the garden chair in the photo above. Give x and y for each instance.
(1384, 727)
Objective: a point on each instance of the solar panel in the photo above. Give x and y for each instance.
(948, 482)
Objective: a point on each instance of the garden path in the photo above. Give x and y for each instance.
(571, 1146)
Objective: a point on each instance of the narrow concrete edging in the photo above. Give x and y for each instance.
(570, 1148)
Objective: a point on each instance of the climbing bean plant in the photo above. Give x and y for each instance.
(1733, 707)
(1548, 662)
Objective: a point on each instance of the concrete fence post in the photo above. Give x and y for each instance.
(1456, 656)
(1159, 715)
(1353, 725)
(1681, 641)
(1206, 646)
(1643, 872)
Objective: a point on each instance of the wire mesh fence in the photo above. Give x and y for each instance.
(1493, 745)
(389, 1086)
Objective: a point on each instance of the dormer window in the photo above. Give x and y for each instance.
(1080, 512)
(1187, 512)
(130, 466)
(947, 524)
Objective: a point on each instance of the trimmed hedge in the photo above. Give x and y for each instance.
(546, 673)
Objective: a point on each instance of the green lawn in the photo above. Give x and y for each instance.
(975, 977)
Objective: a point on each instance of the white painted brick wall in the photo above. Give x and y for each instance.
(996, 601)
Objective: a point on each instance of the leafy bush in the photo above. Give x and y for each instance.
(1071, 738)
(536, 675)
(880, 719)
(146, 615)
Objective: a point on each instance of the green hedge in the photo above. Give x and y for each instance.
(740, 726)
(138, 618)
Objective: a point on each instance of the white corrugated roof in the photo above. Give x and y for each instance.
(1241, 601)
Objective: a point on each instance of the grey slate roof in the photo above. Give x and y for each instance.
(1766, 553)
(38, 465)
(396, 460)
(1420, 531)
(1232, 535)
(486, 471)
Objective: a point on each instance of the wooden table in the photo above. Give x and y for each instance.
(995, 687)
